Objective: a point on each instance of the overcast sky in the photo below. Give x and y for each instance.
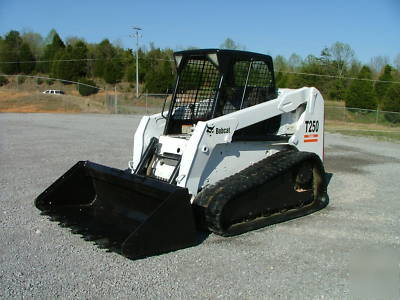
(371, 27)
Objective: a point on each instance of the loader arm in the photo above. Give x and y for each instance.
(149, 127)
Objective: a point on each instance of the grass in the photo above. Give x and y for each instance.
(350, 116)
(377, 131)
(334, 103)
(29, 98)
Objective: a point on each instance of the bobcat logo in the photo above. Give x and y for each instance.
(222, 130)
(210, 129)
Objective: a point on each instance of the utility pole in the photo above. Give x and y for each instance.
(137, 35)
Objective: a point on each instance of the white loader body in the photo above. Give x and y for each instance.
(207, 154)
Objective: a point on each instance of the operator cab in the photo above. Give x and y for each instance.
(214, 82)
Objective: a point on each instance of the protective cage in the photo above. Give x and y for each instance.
(214, 82)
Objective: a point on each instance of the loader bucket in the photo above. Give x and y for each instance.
(130, 214)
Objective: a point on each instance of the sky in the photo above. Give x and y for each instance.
(370, 27)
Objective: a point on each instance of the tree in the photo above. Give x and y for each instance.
(361, 92)
(50, 52)
(378, 62)
(231, 44)
(108, 65)
(73, 40)
(330, 60)
(112, 71)
(391, 102)
(382, 87)
(130, 72)
(160, 78)
(335, 61)
(50, 36)
(10, 52)
(79, 51)
(354, 69)
(341, 57)
(13, 50)
(88, 87)
(70, 63)
(295, 61)
(27, 59)
(153, 61)
(104, 52)
(35, 42)
(145, 63)
(61, 67)
(397, 62)
(280, 66)
(336, 89)
(311, 65)
(149, 61)
(280, 63)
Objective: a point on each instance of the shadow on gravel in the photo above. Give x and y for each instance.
(352, 160)
(108, 241)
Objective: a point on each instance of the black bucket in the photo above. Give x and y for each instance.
(133, 215)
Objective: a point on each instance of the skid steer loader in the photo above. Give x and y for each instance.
(230, 154)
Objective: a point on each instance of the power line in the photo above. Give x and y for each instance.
(78, 59)
(56, 60)
(62, 80)
(337, 77)
(171, 60)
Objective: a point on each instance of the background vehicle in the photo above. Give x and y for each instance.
(231, 154)
(54, 92)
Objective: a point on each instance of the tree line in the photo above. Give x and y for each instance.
(76, 60)
(340, 76)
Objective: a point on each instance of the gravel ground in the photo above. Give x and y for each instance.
(310, 257)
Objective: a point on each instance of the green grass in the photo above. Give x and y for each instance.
(362, 116)
(334, 103)
(379, 135)
(379, 132)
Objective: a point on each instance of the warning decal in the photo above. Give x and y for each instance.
(310, 138)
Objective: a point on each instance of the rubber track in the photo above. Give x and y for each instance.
(211, 200)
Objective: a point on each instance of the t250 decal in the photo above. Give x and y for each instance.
(312, 126)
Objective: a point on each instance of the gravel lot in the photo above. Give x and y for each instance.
(310, 257)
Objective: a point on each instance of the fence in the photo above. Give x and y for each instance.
(118, 98)
(127, 103)
(121, 99)
(362, 116)
(153, 103)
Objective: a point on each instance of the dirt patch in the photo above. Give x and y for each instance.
(12, 95)
(36, 102)
(35, 109)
